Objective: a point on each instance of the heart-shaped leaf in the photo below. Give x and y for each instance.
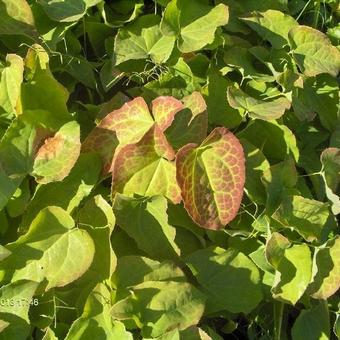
(145, 168)
(211, 177)
(57, 156)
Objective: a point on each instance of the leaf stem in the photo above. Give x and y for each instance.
(278, 315)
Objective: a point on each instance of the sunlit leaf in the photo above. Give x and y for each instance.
(211, 177)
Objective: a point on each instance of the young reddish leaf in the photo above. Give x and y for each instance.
(195, 102)
(164, 109)
(145, 168)
(105, 143)
(57, 156)
(122, 126)
(211, 178)
(130, 122)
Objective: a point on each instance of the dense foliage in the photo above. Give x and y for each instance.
(169, 169)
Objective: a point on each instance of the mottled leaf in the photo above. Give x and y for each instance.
(211, 177)
(164, 110)
(126, 125)
(57, 156)
(145, 168)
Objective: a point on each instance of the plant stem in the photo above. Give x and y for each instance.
(278, 315)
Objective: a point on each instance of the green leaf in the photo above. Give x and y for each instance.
(271, 25)
(308, 217)
(256, 166)
(326, 270)
(15, 302)
(240, 59)
(98, 213)
(278, 180)
(312, 323)
(195, 26)
(133, 270)
(11, 79)
(211, 178)
(42, 91)
(330, 159)
(57, 156)
(16, 18)
(96, 321)
(66, 11)
(158, 306)
(225, 275)
(275, 140)
(193, 118)
(142, 40)
(266, 110)
(16, 157)
(67, 194)
(97, 218)
(313, 52)
(49, 335)
(17, 205)
(16, 298)
(318, 95)
(149, 226)
(48, 256)
(145, 168)
(293, 268)
(219, 110)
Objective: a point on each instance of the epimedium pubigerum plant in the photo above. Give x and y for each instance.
(169, 169)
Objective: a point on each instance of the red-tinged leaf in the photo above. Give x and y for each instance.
(57, 156)
(195, 102)
(146, 168)
(130, 122)
(211, 177)
(104, 142)
(164, 109)
(125, 125)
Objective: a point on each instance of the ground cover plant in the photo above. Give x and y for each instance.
(169, 169)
